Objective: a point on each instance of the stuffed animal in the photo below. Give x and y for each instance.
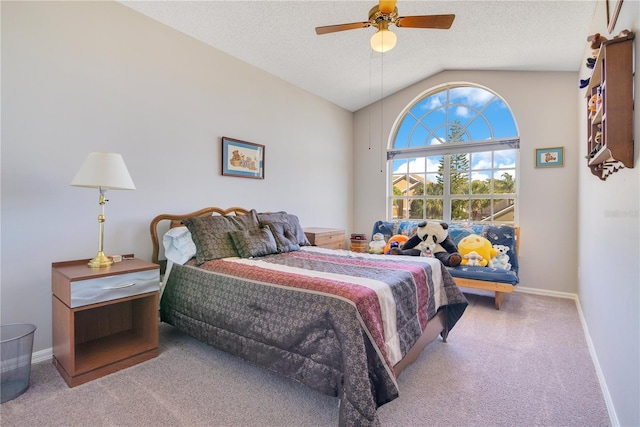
(473, 259)
(478, 244)
(427, 249)
(394, 243)
(431, 236)
(377, 244)
(501, 260)
(596, 41)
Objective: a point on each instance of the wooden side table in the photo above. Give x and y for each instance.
(331, 238)
(104, 319)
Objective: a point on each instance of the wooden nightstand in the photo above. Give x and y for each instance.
(104, 319)
(331, 238)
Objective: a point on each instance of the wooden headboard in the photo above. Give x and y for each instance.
(175, 220)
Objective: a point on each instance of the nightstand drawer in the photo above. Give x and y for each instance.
(107, 288)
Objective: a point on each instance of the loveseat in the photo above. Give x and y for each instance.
(497, 280)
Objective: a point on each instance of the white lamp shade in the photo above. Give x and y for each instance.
(383, 41)
(104, 170)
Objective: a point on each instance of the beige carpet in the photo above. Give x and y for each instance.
(526, 365)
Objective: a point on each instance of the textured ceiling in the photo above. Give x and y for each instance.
(279, 37)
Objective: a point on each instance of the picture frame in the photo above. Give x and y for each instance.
(551, 157)
(613, 10)
(242, 158)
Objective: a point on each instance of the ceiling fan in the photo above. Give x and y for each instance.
(385, 13)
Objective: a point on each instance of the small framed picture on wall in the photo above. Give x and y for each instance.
(243, 159)
(549, 157)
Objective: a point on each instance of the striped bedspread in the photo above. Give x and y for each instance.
(335, 320)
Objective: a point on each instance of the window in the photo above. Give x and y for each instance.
(454, 158)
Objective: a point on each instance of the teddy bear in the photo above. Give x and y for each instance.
(501, 260)
(432, 237)
(377, 244)
(478, 244)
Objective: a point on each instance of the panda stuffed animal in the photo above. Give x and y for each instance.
(434, 236)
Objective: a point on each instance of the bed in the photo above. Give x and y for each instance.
(343, 323)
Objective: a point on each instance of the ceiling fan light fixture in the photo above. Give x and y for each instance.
(383, 40)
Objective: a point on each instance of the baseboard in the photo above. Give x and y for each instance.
(613, 417)
(42, 355)
(546, 292)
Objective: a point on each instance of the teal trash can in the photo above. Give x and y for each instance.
(16, 342)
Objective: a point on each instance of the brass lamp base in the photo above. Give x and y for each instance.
(101, 260)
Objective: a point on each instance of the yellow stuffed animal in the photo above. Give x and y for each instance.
(480, 246)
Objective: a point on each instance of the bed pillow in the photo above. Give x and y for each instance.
(178, 245)
(295, 228)
(253, 243)
(285, 239)
(211, 234)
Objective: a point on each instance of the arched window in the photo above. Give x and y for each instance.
(454, 157)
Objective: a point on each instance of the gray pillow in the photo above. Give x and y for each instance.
(252, 243)
(211, 234)
(285, 239)
(295, 228)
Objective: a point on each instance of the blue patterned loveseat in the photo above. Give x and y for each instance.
(496, 280)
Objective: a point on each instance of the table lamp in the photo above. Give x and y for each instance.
(104, 171)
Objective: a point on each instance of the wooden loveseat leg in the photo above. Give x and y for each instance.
(499, 299)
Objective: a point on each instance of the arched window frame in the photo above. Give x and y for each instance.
(446, 149)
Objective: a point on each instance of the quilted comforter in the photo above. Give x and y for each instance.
(337, 321)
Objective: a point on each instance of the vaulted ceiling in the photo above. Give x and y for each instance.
(279, 37)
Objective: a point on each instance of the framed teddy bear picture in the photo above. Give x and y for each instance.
(549, 157)
(241, 158)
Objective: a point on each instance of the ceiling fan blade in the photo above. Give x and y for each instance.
(341, 27)
(442, 22)
(387, 6)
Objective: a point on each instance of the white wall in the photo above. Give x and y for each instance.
(609, 250)
(543, 105)
(96, 76)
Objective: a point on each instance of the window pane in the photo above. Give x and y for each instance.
(439, 135)
(460, 115)
(481, 160)
(504, 182)
(429, 103)
(433, 119)
(505, 159)
(399, 185)
(504, 210)
(402, 136)
(398, 209)
(480, 186)
(479, 129)
(434, 209)
(435, 186)
(501, 119)
(417, 185)
(480, 209)
(419, 137)
(416, 209)
(459, 182)
(457, 132)
(434, 163)
(400, 166)
(459, 210)
(474, 96)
